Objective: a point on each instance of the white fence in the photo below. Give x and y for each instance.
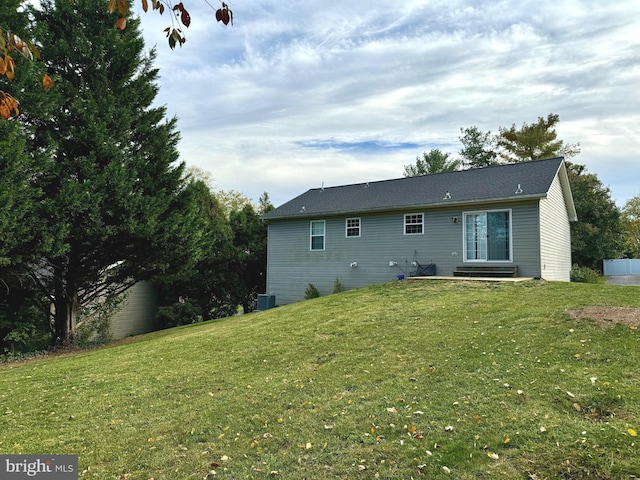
(623, 266)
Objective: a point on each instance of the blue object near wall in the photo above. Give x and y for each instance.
(266, 301)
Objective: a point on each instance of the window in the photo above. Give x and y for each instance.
(413, 223)
(352, 227)
(487, 236)
(317, 235)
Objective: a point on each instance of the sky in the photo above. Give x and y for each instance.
(300, 94)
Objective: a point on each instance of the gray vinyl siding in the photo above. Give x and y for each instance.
(291, 265)
(138, 313)
(526, 239)
(555, 251)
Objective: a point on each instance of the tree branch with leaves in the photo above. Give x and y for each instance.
(12, 45)
(181, 17)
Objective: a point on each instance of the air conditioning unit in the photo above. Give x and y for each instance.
(266, 301)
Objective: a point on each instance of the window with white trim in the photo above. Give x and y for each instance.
(317, 228)
(487, 236)
(413, 224)
(352, 227)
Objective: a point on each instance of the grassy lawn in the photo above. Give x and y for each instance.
(430, 379)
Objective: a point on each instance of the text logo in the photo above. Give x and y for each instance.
(45, 467)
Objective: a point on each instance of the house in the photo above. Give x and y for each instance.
(508, 219)
(138, 312)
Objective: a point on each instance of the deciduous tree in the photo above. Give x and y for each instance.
(180, 17)
(631, 223)
(597, 234)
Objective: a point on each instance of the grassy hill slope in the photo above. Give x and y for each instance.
(430, 379)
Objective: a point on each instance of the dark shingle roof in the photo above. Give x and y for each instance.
(466, 186)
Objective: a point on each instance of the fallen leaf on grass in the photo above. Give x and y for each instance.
(577, 406)
(632, 432)
(392, 410)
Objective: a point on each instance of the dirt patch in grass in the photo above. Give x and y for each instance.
(608, 316)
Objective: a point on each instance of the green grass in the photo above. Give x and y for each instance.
(393, 381)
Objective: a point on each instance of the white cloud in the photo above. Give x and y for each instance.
(301, 92)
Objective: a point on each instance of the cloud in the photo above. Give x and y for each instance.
(297, 93)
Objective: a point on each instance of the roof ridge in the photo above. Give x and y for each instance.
(515, 181)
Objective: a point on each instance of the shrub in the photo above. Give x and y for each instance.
(583, 274)
(183, 312)
(311, 292)
(337, 286)
(23, 330)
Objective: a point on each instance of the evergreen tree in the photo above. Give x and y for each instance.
(23, 238)
(17, 165)
(113, 192)
(534, 142)
(209, 289)
(265, 205)
(434, 161)
(478, 148)
(250, 243)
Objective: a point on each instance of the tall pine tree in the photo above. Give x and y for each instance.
(536, 141)
(114, 193)
(23, 238)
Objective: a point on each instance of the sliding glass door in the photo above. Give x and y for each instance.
(488, 236)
